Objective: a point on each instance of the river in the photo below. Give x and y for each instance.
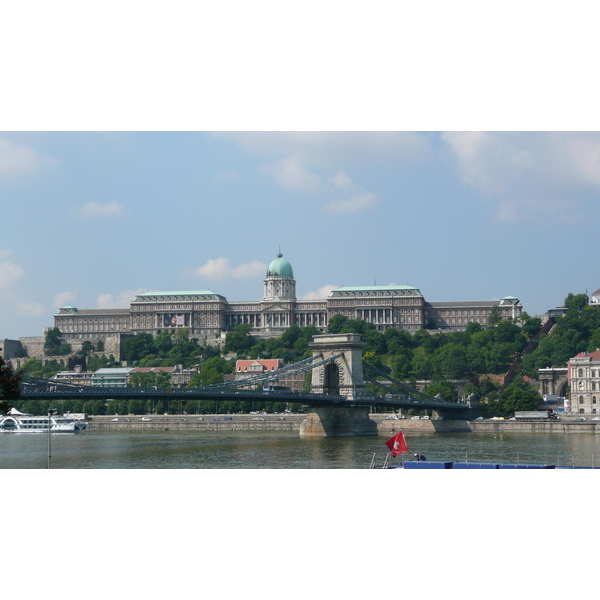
(281, 450)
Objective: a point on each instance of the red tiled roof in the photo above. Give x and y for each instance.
(593, 355)
(596, 293)
(269, 364)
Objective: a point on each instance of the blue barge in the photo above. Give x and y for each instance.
(420, 464)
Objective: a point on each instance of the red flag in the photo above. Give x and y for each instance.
(397, 444)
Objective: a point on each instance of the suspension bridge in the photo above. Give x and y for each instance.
(338, 382)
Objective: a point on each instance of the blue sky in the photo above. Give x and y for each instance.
(90, 219)
(113, 179)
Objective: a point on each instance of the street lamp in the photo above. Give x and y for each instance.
(51, 411)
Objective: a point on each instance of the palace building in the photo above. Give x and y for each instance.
(206, 314)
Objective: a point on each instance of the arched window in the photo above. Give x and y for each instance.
(580, 399)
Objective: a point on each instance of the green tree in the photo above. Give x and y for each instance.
(239, 339)
(52, 341)
(138, 346)
(444, 388)
(87, 348)
(494, 316)
(517, 396)
(336, 323)
(9, 386)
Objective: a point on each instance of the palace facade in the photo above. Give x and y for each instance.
(206, 314)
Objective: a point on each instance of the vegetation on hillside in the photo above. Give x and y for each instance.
(481, 355)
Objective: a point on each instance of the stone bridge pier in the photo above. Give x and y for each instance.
(343, 376)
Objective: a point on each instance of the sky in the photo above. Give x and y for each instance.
(405, 145)
(92, 218)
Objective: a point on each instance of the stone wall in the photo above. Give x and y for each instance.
(10, 348)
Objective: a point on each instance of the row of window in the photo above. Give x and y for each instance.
(580, 373)
(582, 402)
(92, 327)
(174, 307)
(394, 293)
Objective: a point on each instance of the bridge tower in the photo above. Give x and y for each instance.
(343, 376)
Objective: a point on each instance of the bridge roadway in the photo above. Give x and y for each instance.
(51, 392)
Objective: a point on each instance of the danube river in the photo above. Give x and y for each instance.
(281, 450)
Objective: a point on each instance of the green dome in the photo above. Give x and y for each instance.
(280, 267)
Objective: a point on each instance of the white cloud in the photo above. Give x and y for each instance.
(30, 309)
(18, 159)
(220, 269)
(96, 209)
(357, 202)
(343, 182)
(122, 300)
(291, 173)
(529, 173)
(10, 275)
(322, 292)
(64, 298)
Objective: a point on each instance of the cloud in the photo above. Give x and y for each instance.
(122, 300)
(96, 209)
(526, 174)
(321, 163)
(291, 173)
(322, 292)
(18, 159)
(343, 182)
(220, 269)
(355, 203)
(64, 298)
(10, 275)
(30, 309)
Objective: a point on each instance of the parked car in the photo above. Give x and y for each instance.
(479, 419)
(145, 419)
(200, 419)
(258, 419)
(214, 419)
(391, 418)
(580, 419)
(126, 419)
(426, 417)
(228, 418)
(596, 419)
(415, 418)
(114, 419)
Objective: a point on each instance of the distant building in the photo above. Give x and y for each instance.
(76, 377)
(208, 315)
(111, 377)
(254, 368)
(584, 379)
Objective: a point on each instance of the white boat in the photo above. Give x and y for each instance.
(19, 422)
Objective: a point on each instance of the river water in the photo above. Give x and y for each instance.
(281, 450)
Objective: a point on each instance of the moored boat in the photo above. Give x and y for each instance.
(18, 422)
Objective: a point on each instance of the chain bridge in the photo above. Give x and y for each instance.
(338, 389)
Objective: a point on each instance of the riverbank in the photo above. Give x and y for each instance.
(220, 422)
(565, 425)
